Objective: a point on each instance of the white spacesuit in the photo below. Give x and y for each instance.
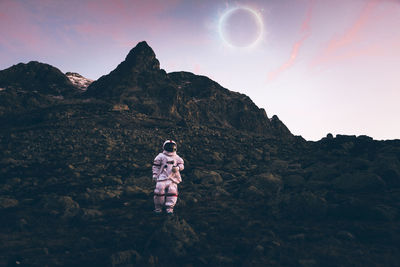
(166, 172)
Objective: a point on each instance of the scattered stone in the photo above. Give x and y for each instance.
(6, 203)
(125, 258)
(136, 192)
(267, 183)
(101, 194)
(120, 107)
(91, 214)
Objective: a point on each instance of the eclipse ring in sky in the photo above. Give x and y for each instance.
(241, 27)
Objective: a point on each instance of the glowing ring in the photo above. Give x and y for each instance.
(256, 16)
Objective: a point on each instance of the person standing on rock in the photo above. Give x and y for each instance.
(166, 172)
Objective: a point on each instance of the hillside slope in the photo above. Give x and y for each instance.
(76, 189)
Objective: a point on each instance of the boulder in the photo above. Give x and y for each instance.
(268, 183)
(63, 206)
(207, 176)
(68, 207)
(174, 238)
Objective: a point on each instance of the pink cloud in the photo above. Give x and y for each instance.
(338, 48)
(21, 31)
(16, 27)
(33, 27)
(305, 31)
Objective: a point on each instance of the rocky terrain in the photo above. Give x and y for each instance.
(76, 189)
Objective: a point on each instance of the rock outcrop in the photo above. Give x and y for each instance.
(183, 97)
(35, 85)
(78, 80)
(36, 77)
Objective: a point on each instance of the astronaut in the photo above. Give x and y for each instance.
(166, 172)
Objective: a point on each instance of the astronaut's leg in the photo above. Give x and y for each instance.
(159, 196)
(172, 197)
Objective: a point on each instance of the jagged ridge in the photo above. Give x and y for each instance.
(187, 98)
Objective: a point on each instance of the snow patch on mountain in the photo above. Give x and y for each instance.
(78, 80)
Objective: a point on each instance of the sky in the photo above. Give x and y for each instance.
(321, 66)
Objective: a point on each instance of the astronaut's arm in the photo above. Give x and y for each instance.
(156, 167)
(180, 164)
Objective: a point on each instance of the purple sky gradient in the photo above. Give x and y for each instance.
(322, 66)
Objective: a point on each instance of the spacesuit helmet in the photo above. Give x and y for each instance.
(170, 146)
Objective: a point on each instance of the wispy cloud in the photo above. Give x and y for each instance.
(343, 47)
(305, 32)
(46, 23)
(17, 27)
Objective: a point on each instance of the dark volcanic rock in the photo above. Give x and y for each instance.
(174, 239)
(204, 101)
(360, 181)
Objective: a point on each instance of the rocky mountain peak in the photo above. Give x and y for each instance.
(142, 57)
(139, 69)
(140, 84)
